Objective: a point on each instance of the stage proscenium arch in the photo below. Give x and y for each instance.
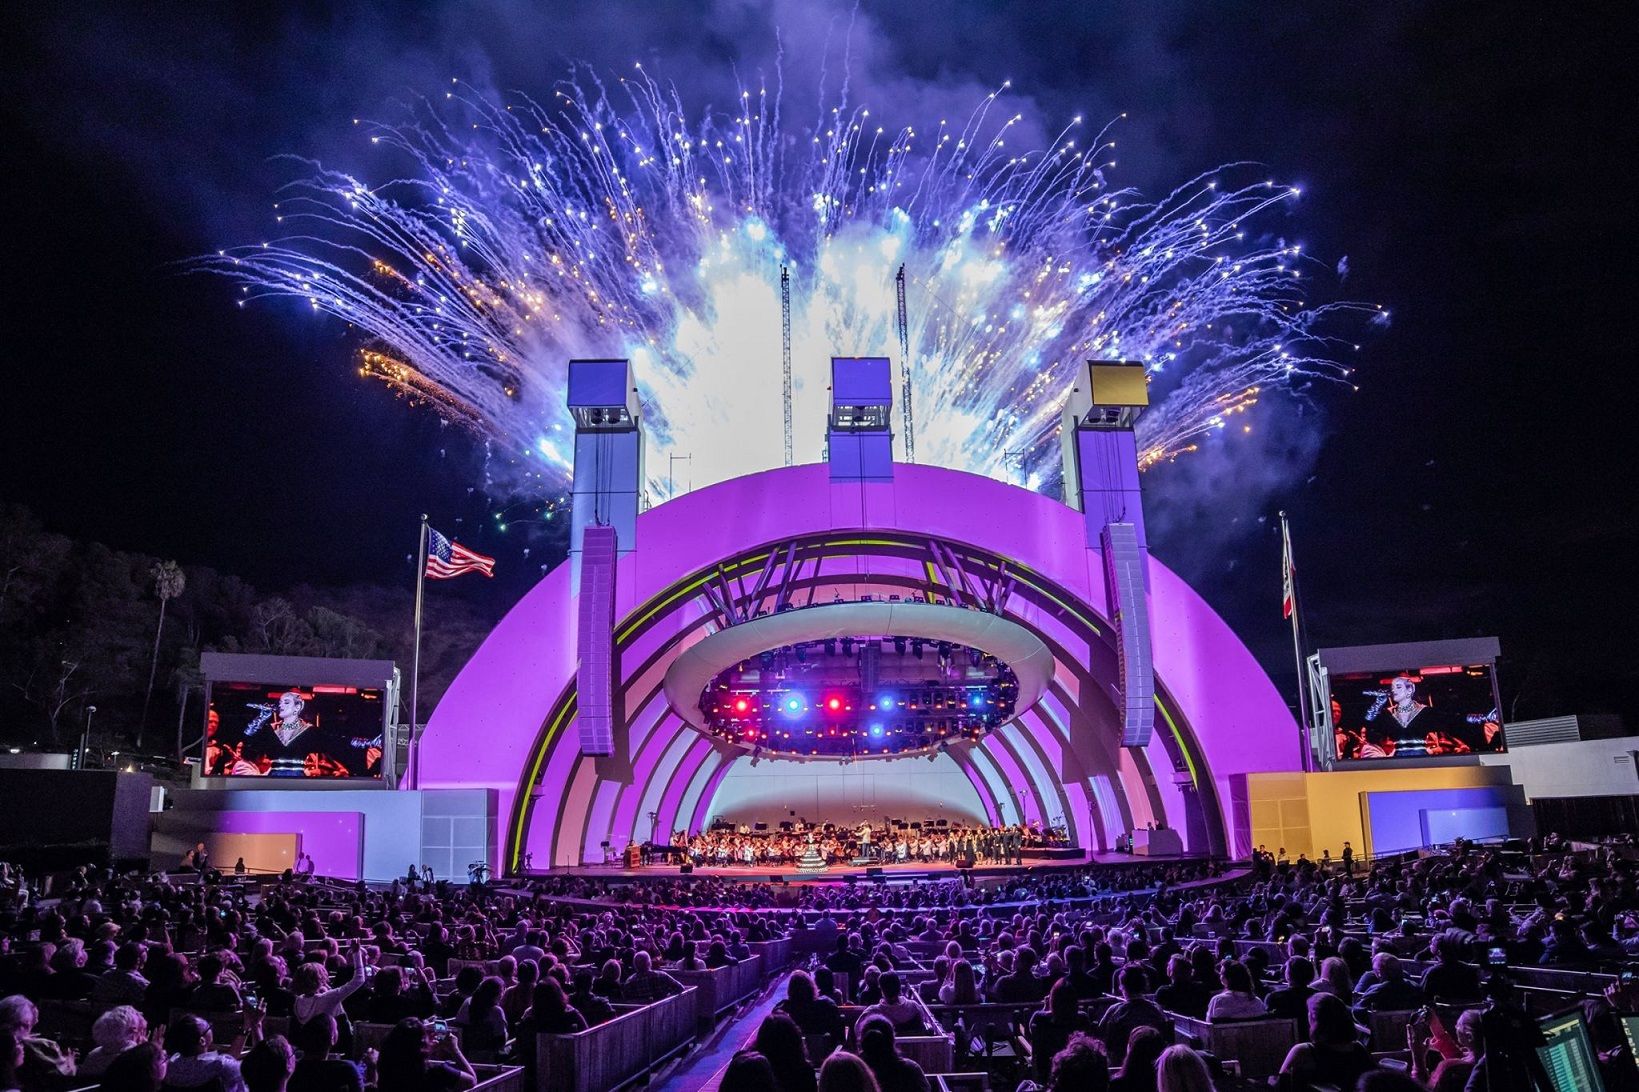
(778, 551)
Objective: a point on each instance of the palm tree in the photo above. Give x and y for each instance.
(168, 584)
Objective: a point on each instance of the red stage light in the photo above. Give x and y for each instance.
(834, 704)
(741, 705)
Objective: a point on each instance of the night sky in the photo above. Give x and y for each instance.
(1472, 163)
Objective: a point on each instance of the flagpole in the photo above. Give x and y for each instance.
(1304, 748)
(411, 765)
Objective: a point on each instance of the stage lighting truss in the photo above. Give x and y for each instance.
(859, 696)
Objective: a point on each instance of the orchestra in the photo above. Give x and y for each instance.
(727, 845)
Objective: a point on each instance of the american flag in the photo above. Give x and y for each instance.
(446, 559)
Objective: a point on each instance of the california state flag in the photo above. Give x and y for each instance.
(1288, 576)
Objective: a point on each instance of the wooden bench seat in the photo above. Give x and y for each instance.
(721, 988)
(618, 1051)
(1260, 1046)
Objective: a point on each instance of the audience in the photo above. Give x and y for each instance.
(1057, 948)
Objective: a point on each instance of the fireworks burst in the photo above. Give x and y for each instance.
(607, 222)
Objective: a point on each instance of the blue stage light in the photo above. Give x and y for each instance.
(876, 729)
(884, 701)
(794, 704)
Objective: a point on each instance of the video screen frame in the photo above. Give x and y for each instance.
(288, 699)
(248, 723)
(1407, 693)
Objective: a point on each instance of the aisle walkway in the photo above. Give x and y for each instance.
(703, 1070)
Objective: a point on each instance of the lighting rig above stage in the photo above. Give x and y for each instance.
(858, 696)
(859, 679)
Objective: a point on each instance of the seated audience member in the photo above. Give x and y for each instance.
(748, 1071)
(905, 1013)
(1335, 979)
(1237, 1001)
(1132, 1011)
(141, 1069)
(69, 980)
(1292, 1000)
(1450, 979)
(467, 980)
(552, 1014)
(1079, 1067)
(520, 995)
(212, 994)
(592, 1006)
(268, 1065)
(963, 987)
(1022, 984)
(814, 1013)
(1181, 1069)
(893, 1071)
(781, 1042)
(124, 984)
(845, 1072)
(1050, 1028)
(869, 991)
(645, 984)
(1333, 1055)
(395, 995)
(115, 1031)
(11, 1060)
(45, 1064)
(1144, 1049)
(1392, 992)
(607, 983)
(1456, 1059)
(194, 1063)
(687, 959)
(483, 1025)
(319, 1070)
(414, 1060)
(1182, 994)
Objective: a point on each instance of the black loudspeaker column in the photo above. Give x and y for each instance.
(686, 868)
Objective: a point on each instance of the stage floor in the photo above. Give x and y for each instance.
(900, 873)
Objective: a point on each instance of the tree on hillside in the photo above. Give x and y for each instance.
(168, 584)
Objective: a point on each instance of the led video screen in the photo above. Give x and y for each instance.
(1418, 712)
(262, 730)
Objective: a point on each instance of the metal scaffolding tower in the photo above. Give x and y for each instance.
(905, 368)
(785, 344)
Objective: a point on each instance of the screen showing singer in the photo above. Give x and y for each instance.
(1424, 712)
(293, 731)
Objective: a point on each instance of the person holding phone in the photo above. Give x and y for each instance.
(1428, 1040)
(422, 1056)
